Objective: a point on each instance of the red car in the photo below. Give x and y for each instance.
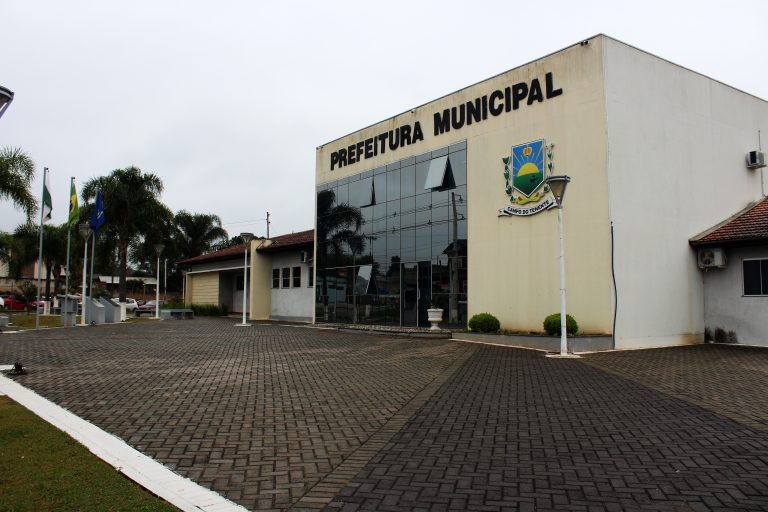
(14, 304)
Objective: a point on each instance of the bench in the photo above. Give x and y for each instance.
(178, 314)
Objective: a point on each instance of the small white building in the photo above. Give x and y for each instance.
(280, 278)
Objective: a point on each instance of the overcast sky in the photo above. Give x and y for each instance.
(226, 101)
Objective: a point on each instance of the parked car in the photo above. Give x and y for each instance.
(11, 303)
(148, 308)
(130, 304)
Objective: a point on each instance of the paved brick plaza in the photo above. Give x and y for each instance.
(277, 417)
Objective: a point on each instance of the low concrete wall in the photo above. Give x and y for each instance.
(548, 343)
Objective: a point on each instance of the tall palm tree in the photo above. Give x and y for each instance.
(197, 233)
(131, 205)
(17, 170)
(337, 225)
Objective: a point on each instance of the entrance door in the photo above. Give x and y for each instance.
(415, 293)
(237, 294)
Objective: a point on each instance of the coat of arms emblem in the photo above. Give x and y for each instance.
(524, 173)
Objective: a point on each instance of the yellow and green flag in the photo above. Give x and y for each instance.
(74, 211)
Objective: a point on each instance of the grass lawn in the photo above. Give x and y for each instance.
(43, 469)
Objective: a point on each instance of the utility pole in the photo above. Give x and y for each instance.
(267, 225)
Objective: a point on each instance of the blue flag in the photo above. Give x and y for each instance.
(97, 218)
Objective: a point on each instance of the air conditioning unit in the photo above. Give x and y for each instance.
(755, 159)
(711, 258)
(304, 256)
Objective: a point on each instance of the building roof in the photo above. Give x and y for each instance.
(291, 241)
(749, 226)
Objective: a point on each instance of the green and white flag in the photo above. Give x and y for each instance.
(47, 203)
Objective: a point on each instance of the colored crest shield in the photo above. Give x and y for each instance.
(528, 167)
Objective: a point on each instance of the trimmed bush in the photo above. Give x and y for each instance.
(484, 322)
(552, 325)
(209, 309)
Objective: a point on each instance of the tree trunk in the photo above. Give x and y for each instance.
(123, 270)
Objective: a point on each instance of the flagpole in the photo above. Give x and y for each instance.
(40, 254)
(69, 238)
(85, 277)
(90, 279)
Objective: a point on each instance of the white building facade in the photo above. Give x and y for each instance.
(452, 208)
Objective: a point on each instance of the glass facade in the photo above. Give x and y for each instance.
(392, 241)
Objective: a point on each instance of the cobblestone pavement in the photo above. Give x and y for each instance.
(284, 417)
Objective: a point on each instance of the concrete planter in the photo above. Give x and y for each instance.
(434, 316)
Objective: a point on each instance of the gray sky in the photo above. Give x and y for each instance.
(226, 101)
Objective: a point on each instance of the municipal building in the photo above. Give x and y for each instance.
(447, 205)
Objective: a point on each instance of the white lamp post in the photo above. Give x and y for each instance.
(558, 185)
(247, 237)
(158, 249)
(85, 232)
(6, 97)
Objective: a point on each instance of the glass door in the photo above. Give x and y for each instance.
(415, 293)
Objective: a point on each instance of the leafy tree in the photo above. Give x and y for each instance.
(17, 170)
(337, 225)
(26, 249)
(131, 207)
(197, 233)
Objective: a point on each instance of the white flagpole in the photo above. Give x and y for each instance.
(69, 236)
(85, 277)
(40, 254)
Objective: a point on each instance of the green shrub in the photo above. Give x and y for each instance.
(484, 322)
(552, 325)
(209, 309)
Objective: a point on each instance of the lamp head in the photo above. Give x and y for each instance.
(558, 184)
(84, 229)
(6, 97)
(159, 248)
(247, 237)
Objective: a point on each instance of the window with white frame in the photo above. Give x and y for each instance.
(755, 274)
(296, 273)
(275, 278)
(286, 277)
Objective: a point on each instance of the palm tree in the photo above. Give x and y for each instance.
(25, 251)
(337, 225)
(197, 233)
(131, 205)
(17, 170)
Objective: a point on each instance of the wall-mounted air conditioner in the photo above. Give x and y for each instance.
(711, 257)
(755, 159)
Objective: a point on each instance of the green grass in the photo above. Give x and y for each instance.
(27, 320)
(43, 469)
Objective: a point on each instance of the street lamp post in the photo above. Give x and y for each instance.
(85, 232)
(247, 237)
(6, 97)
(158, 249)
(558, 185)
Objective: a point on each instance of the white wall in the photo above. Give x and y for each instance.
(292, 303)
(725, 305)
(676, 147)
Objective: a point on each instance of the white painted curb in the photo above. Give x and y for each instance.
(145, 471)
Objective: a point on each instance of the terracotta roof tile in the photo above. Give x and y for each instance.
(294, 240)
(748, 226)
(279, 243)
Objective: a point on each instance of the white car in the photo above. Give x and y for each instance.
(130, 304)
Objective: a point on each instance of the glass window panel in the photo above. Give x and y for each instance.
(407, 212)
(367, 214)
(393, 215)
(275, 278)
(407, 161)
(360, 192)
(424, 157)
(764, 274)
(380, 170)
(366, 174)
(439, 239)
(393, 245)
(422, 170)
(752, 281)
(296, 277)
(393, 185)
(436, 173)
(363, 279)
(380, 218)
(344, 181)
(408, 181)
(440, 214)
(393, 166)
(408, 245)
(423, 243)
(286, 277)
(342, 194)
(380, 188)
(380, 247)
(459, 167)
(458, 146)
(440, 152)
